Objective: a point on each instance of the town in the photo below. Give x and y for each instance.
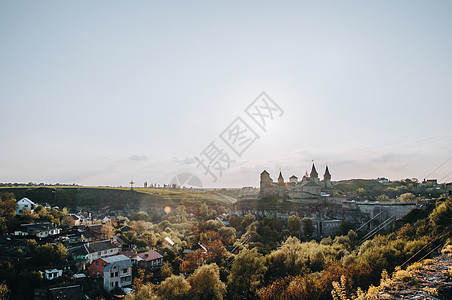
(164, 248)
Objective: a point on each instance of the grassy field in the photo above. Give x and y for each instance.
(114, 197)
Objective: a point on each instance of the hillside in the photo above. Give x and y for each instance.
(115, 198)
(371, 189)
(430, 279)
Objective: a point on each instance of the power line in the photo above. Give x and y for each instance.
(445, 176)
(438, 167)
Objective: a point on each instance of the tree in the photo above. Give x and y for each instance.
(441, 215)
(7, 210)
(228, 235)
(145, 292)
(181, 213)
(235, 221)
(216, 253)
(193, 260)
(7, 205)
(246, 274)
(308, 227)
(108, 231)
(166, 270)
(48, 253)
(383, 198)
(206, 283)
(407, 197)
(4, 291)
(174, 288)
(294, 224)
(247, 220)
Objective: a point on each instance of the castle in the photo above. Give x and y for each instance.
(309, 188)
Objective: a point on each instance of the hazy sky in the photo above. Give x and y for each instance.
(103, 92)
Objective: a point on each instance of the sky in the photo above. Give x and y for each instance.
(105, 92)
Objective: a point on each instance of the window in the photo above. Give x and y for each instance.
(97, 262)
(116, 274)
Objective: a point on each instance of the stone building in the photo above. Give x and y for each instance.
(310, 187)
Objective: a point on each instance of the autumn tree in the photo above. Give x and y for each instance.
(174, 288)
(108, 231)
(235, 221)
(4, 291)
(407, 197)
(206, 283)
(227, 235)
(145, 292)
(48, 253)
(247, 220)
(193, 260)
(246, 274)
(7, 210)
(216, 253)
(166, 270)
(294, 224)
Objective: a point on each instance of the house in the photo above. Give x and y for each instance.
(149, 259)
(51, 274)
(55, 271)
(96, 230)
(115, 270)
(95, 250)
(72, 220)
(329, 227)
(382, 180)
(24, 204)
(38, 230)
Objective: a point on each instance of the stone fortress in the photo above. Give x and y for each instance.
(310, 187)
(315, 199)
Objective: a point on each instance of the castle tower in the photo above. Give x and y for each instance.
(327, 178)
(265, 183)
(280, 179)
(314, 176)
(265, 179)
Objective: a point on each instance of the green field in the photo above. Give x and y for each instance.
(115, 198)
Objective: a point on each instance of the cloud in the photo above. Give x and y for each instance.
(136, 157)
(186, 160)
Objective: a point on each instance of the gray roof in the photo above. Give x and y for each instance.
(101, 246)
(94, 247)
(120, 261)
(37, 227)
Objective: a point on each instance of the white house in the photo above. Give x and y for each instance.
(39, 230)
(24, 204)
(115, 270)
(92, 251)
(51, 274)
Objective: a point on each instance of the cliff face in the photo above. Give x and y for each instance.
(430, 279)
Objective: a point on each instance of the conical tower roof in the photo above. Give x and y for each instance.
(314, 173)
(327, 174)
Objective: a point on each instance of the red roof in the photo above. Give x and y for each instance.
(150, 255)
(129, 254)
